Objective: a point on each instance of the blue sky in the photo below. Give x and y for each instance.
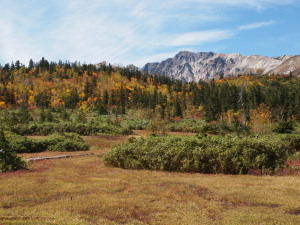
(139, 31)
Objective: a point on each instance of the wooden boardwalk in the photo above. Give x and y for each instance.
(58, 157)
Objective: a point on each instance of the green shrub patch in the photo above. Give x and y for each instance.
(66, 142)
(67, 127)
(56, 142)
(212, 154)
(135, 124)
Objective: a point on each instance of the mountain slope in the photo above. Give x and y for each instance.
(290, 65)
(189, 66)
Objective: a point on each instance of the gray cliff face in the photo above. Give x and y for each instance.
(291, 65)
(189, 66)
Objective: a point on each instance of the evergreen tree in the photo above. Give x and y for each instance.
(31, 64)
(9, 160)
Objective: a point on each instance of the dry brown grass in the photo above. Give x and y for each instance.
(82, 190)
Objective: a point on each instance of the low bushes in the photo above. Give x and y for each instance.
(21, 144)
(284, 127)
(9, 160)
(199, 126)
(185, 126)
(292, 141)
(213, 154)
(55, 142)
(11, 144)
(135, 124)
(66, 142)
(64, 127)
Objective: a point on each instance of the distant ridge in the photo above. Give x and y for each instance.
(292, 65)
(190, 66)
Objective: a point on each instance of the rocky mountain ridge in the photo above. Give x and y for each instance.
(290, 65)
(189, 66)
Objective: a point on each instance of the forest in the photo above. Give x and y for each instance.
(107, 90)
(67, 99)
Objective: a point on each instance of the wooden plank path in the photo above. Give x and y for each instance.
(58, 157)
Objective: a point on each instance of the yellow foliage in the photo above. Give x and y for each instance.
(57, 103)
(228, 116)
(84, 106)
(31, 100)
(2, 104)
(260, 119)
(81, 95)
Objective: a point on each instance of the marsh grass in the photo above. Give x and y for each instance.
(81, 190)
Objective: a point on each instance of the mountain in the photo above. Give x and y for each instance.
(290, 65)
(189, 66)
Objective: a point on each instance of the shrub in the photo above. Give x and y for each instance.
(21, 144)
(199, 126)
(66, 142)
(185, 125)
(284, 127)
(292, 141)
(64, 127)
(229, 154)
(135, 124)
(9, 161)
(55, 142)
(209, 129)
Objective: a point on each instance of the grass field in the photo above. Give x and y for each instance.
(81, 190)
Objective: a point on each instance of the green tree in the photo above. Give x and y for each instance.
(9, 160)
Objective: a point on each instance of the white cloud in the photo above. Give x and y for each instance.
(256, 4)
(16, 43)
(256, 25)
(155, 58)
(200, 37)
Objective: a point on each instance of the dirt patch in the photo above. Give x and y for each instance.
(295, 162)
(118, 214)
(228, 203)
(181, 133)
(255, 172)
(295, 212)
(288, 172)
(34, 167)
(25, 218)
(14, 173)
(201, 191)
(143, 133)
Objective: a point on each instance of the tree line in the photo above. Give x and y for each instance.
(106, 89)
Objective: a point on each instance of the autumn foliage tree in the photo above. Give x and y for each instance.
(261, 119)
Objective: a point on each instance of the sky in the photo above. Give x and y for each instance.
(135, 32)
